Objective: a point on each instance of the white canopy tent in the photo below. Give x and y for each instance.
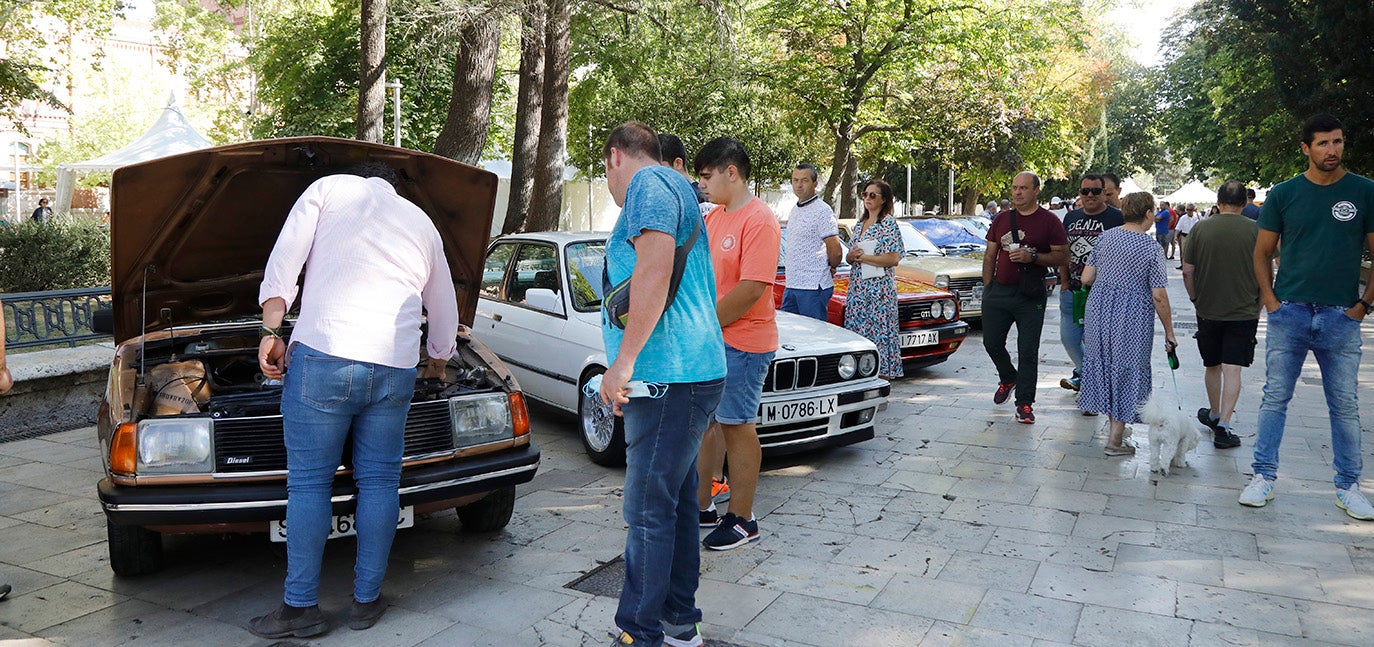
(1128, 186)
(169, 135)
(1194, 192)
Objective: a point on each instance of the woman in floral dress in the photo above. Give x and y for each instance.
(1126, 272)
(871, 304)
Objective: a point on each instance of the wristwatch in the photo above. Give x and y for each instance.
(1034, 256)
(1368, 307)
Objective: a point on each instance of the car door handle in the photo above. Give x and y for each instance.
(496, 317)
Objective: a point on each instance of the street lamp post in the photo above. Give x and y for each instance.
(395, 87)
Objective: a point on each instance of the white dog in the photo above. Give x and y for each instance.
(1173, 433)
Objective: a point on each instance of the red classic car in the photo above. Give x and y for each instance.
(928, 316)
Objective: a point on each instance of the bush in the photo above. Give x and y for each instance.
(59, 254)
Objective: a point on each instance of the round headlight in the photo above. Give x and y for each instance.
(847, 367)
(941, 281)
(951, 309)
(868, 363)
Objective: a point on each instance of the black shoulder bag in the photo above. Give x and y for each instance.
(1031, 283)
(616, 301)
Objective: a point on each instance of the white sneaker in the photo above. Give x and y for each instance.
(1354, 503)
(1261, 491)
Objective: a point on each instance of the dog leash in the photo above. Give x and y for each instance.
(1172, 356)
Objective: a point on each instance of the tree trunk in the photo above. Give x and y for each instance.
(849, 191)
(546, 203)
(464, 136)
(372, 70)
(835, 178)
(528, 107)
(971, 205)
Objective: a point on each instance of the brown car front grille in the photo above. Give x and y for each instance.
(256, 445)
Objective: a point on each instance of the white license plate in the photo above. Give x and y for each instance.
(971, 304)
(923, 338)
(774, 412)
(343, 525)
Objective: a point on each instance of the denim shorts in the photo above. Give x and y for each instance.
(744, 373)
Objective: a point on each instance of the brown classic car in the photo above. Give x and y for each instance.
(190, 430)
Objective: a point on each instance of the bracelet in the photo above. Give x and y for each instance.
(264, 331)
(1368, 307)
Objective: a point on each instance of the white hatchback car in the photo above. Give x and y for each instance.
(539, 310)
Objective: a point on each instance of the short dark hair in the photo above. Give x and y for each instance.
(720, 153)
(634, 138)
(671, 148)
(806, 166)
(1111, 177)
(1320, 123)
(1232, 193)
(375, 169)
(1249, 194)
(1093, 177)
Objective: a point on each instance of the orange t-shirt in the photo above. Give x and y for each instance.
(744, 247)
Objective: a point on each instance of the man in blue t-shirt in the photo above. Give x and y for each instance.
(1323, 219)
(680, 354)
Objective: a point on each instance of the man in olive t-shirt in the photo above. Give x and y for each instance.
(1323, 218)
(1219, 273)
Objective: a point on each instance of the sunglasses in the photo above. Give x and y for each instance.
(872, 195)
(1093, 191)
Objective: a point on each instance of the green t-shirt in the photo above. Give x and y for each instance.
(1221, 250)
(1321, 234)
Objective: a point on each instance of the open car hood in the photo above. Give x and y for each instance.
(194, 231)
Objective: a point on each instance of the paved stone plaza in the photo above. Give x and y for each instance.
(955, 526)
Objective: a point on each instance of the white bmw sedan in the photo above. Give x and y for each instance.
(539, 310)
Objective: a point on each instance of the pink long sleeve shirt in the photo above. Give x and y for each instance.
(373, 259)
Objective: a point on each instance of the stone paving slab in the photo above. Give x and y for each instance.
(953, 526)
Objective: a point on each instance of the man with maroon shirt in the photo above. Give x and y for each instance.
(1040, 243)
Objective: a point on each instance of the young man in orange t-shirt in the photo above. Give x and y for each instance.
(745, 238)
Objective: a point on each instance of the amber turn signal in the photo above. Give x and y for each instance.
(519, 416)
(124, 450)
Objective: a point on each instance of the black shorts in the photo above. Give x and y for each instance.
(1226, 342)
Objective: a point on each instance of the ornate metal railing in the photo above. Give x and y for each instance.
(53, 317)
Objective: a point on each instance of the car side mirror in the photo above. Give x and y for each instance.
(102, 321)
(544, 299)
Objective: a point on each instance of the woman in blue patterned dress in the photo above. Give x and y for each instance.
(871, 304)
(1127, 275)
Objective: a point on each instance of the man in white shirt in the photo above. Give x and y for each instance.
(813, 249)
(374, 260)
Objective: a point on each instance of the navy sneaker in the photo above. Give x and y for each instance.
(1024, 414)
(1204, 416)
(1003, 391)
(709, 518)
(732, 532)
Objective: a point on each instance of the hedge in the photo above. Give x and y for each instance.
(59, 254)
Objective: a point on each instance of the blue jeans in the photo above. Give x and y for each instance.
(743, 390)
(662, 551)
(323, 399)
(1070, 333)
(1334, 338)
(808, 303)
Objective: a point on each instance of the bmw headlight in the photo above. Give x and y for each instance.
(480, 419)
(848, 365)
(942, 281)
(175, 446)
(868, 364)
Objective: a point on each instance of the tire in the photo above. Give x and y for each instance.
(603, 433)
(491, 513)
(134, 550)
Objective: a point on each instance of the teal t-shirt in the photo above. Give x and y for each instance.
(1321, 235)
(686, 346)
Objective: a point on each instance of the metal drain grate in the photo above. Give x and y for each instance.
(606, 580)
